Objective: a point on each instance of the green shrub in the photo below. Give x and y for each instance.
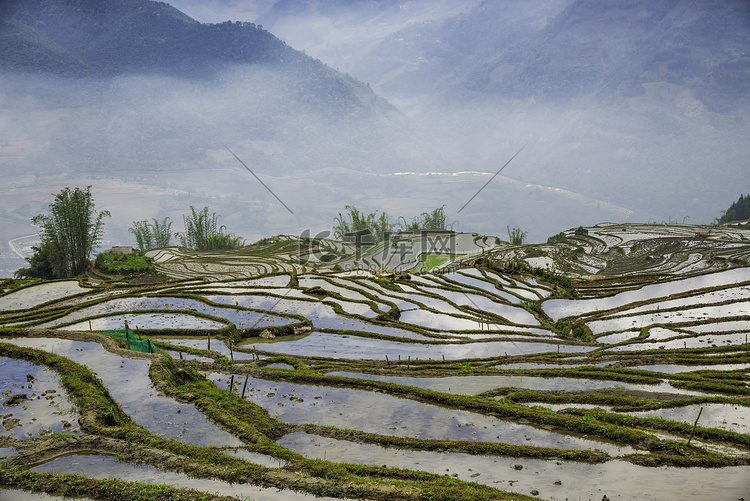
(124, 264)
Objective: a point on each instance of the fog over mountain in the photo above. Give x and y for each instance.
(641, 103)
(626, 111)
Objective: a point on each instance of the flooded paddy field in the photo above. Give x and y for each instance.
(33, 401)
(97, 466)
(553, 480)
(474, 384)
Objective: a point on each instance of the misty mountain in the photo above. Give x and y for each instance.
(611, 49)
(90, 38)
(143, 82)
(552, 50)
(645, 104)
(141, 102)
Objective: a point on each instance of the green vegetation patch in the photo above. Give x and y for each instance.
(502, 408)
(106, 489)
(433, 260)
(98, 409)
(459, 446)
(124, 264)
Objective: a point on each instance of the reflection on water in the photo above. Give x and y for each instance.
(128, 382)
(319, 344)
(46, 407)
(94, 466)
(473, 385)
(555, 480)
(388, 415)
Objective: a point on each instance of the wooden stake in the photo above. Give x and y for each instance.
(694, 425)
(92, 330)
(209, 342)
(231, 383)
(244, 386)
(388, 361)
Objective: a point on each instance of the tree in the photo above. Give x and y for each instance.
(516, 236)
(202, 232)
(40, 264)
(435, 220)
(152, 235)
(69, 235)
(380, 226)
(738, 211)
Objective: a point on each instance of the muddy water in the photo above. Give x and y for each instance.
(388, 415)
(95, 466)
(531, 365)
(432, 320)
(128, 382)
(555, 480)
(187, 356)
(473, 385)
(526, 293)
(559, 308)
(200, 343)
(306, 281)
(39, 294)
(279, 366)
(701, 313)
(477, 300)
(686, 342)
(229, 289)
(723, 416)
(321, 315)
(617, 337)
(512, 314)
(147, 320)
(17, 495)
(8, 451)
(557, 407)
(241, 318)
(719, 327)
(46, 409)
(675, 369)
(729, 294)
(319, 344)
(256, 458)
(291, 305)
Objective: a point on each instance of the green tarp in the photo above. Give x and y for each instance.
(131, 341)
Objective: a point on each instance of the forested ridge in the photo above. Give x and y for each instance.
(97, 38)
(611, 50)
(738, 211)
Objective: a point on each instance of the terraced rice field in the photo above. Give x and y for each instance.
(275, 380)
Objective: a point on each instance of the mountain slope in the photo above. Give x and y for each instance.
(645, 104)
(232, 83)
(610, 49)
(105, 38)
